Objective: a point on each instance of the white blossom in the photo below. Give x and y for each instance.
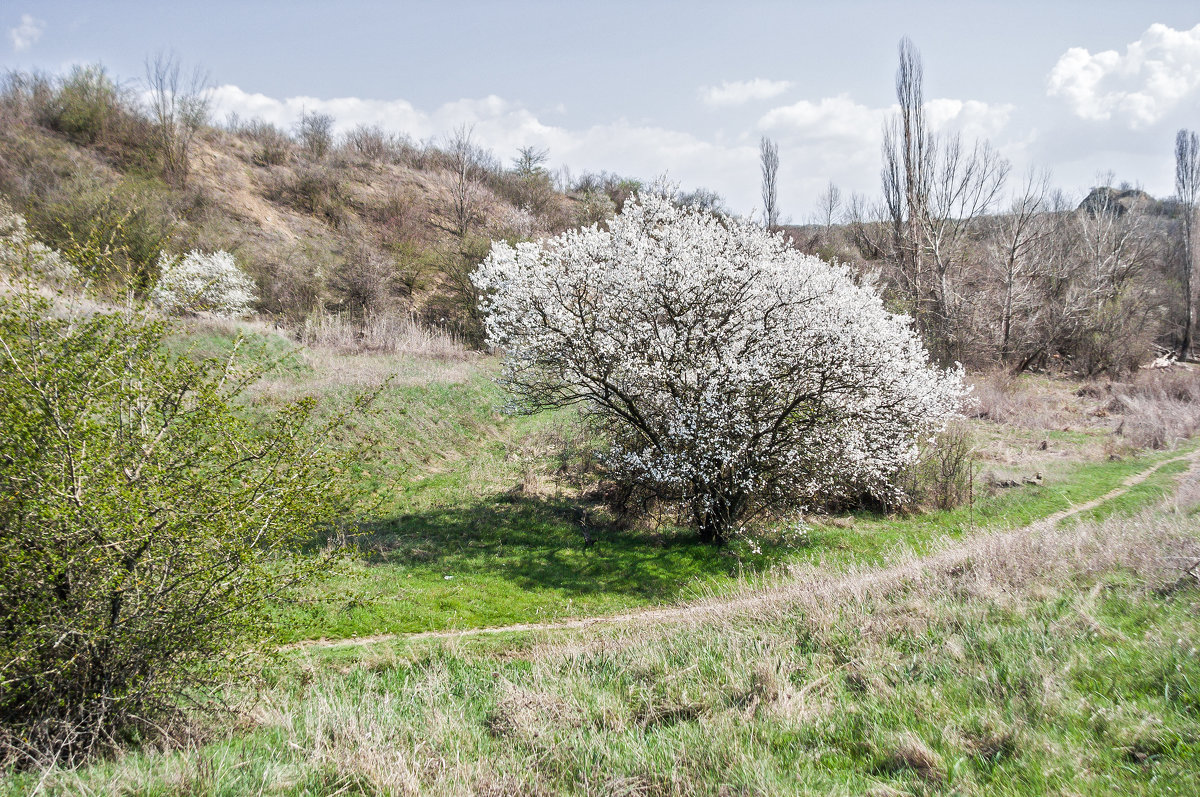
(203, 281)
(23, 255)
(731, 372)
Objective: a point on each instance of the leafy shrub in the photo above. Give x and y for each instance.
(730, 373)
(147, 512)
(198, 281)
(87, 104)
(112, 235)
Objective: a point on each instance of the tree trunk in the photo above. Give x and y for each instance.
(1185, 345)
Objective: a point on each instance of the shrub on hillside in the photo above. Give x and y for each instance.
(730, 373)
(112, 235)
(317, 190)
(146, 515)
(368, 279)
(87, 104)
(291, 282)
(272, 145)
(88, 107)
(200, 281)
(315, 132)
(24, 257)
(594, 207)
(373, 144)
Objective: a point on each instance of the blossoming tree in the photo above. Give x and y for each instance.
(730, 372)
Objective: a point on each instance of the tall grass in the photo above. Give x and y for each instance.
(1154, 409)
(391, 332)
(1045, 662)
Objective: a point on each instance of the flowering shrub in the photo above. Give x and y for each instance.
(730, 372)
(199, 281)
(23, 256)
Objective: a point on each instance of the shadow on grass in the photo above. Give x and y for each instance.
(537, 543)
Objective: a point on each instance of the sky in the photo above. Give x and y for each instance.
(683, 90)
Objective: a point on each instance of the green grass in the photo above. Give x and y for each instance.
(449, 537)
(1005, 678)
(1013, 682)
(453, 543)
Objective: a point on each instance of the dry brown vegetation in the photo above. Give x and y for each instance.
(369, 223)
(1155, 408)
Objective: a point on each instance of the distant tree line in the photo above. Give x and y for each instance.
(998, 270)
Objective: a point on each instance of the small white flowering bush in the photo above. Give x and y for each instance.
(730, 372)
(203, 281)
(22, 255)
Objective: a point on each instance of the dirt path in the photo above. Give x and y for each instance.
(743, 602)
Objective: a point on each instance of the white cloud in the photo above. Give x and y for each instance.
(842, 119)
(1155, 74)
(972, 118)
(27, 33)
(839, 118)
(737, 92)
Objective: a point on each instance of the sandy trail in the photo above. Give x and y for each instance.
(759, 599)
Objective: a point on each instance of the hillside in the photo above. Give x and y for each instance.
(372, 224)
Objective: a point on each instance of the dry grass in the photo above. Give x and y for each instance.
(848, 664)
(1159, 408)
(1035, 402)
(1155, 409)
(1029, 424)
(379, 332)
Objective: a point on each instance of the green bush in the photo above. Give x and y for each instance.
(112, 235)
(148, 508)
(87, 105)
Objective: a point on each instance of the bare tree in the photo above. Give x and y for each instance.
(531, 161)
(468, 164)
(935, 191)
(1014, 253)
(179, 107)
(829, 203)
(1114, 248)
(869, 227)
(905, 166)
(1187, 190)
(768, 154)
(315, 131)
(530, 185)
(962, 187)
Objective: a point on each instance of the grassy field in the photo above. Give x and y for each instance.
(1059, 662)
(951, 652)
(470, 522)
